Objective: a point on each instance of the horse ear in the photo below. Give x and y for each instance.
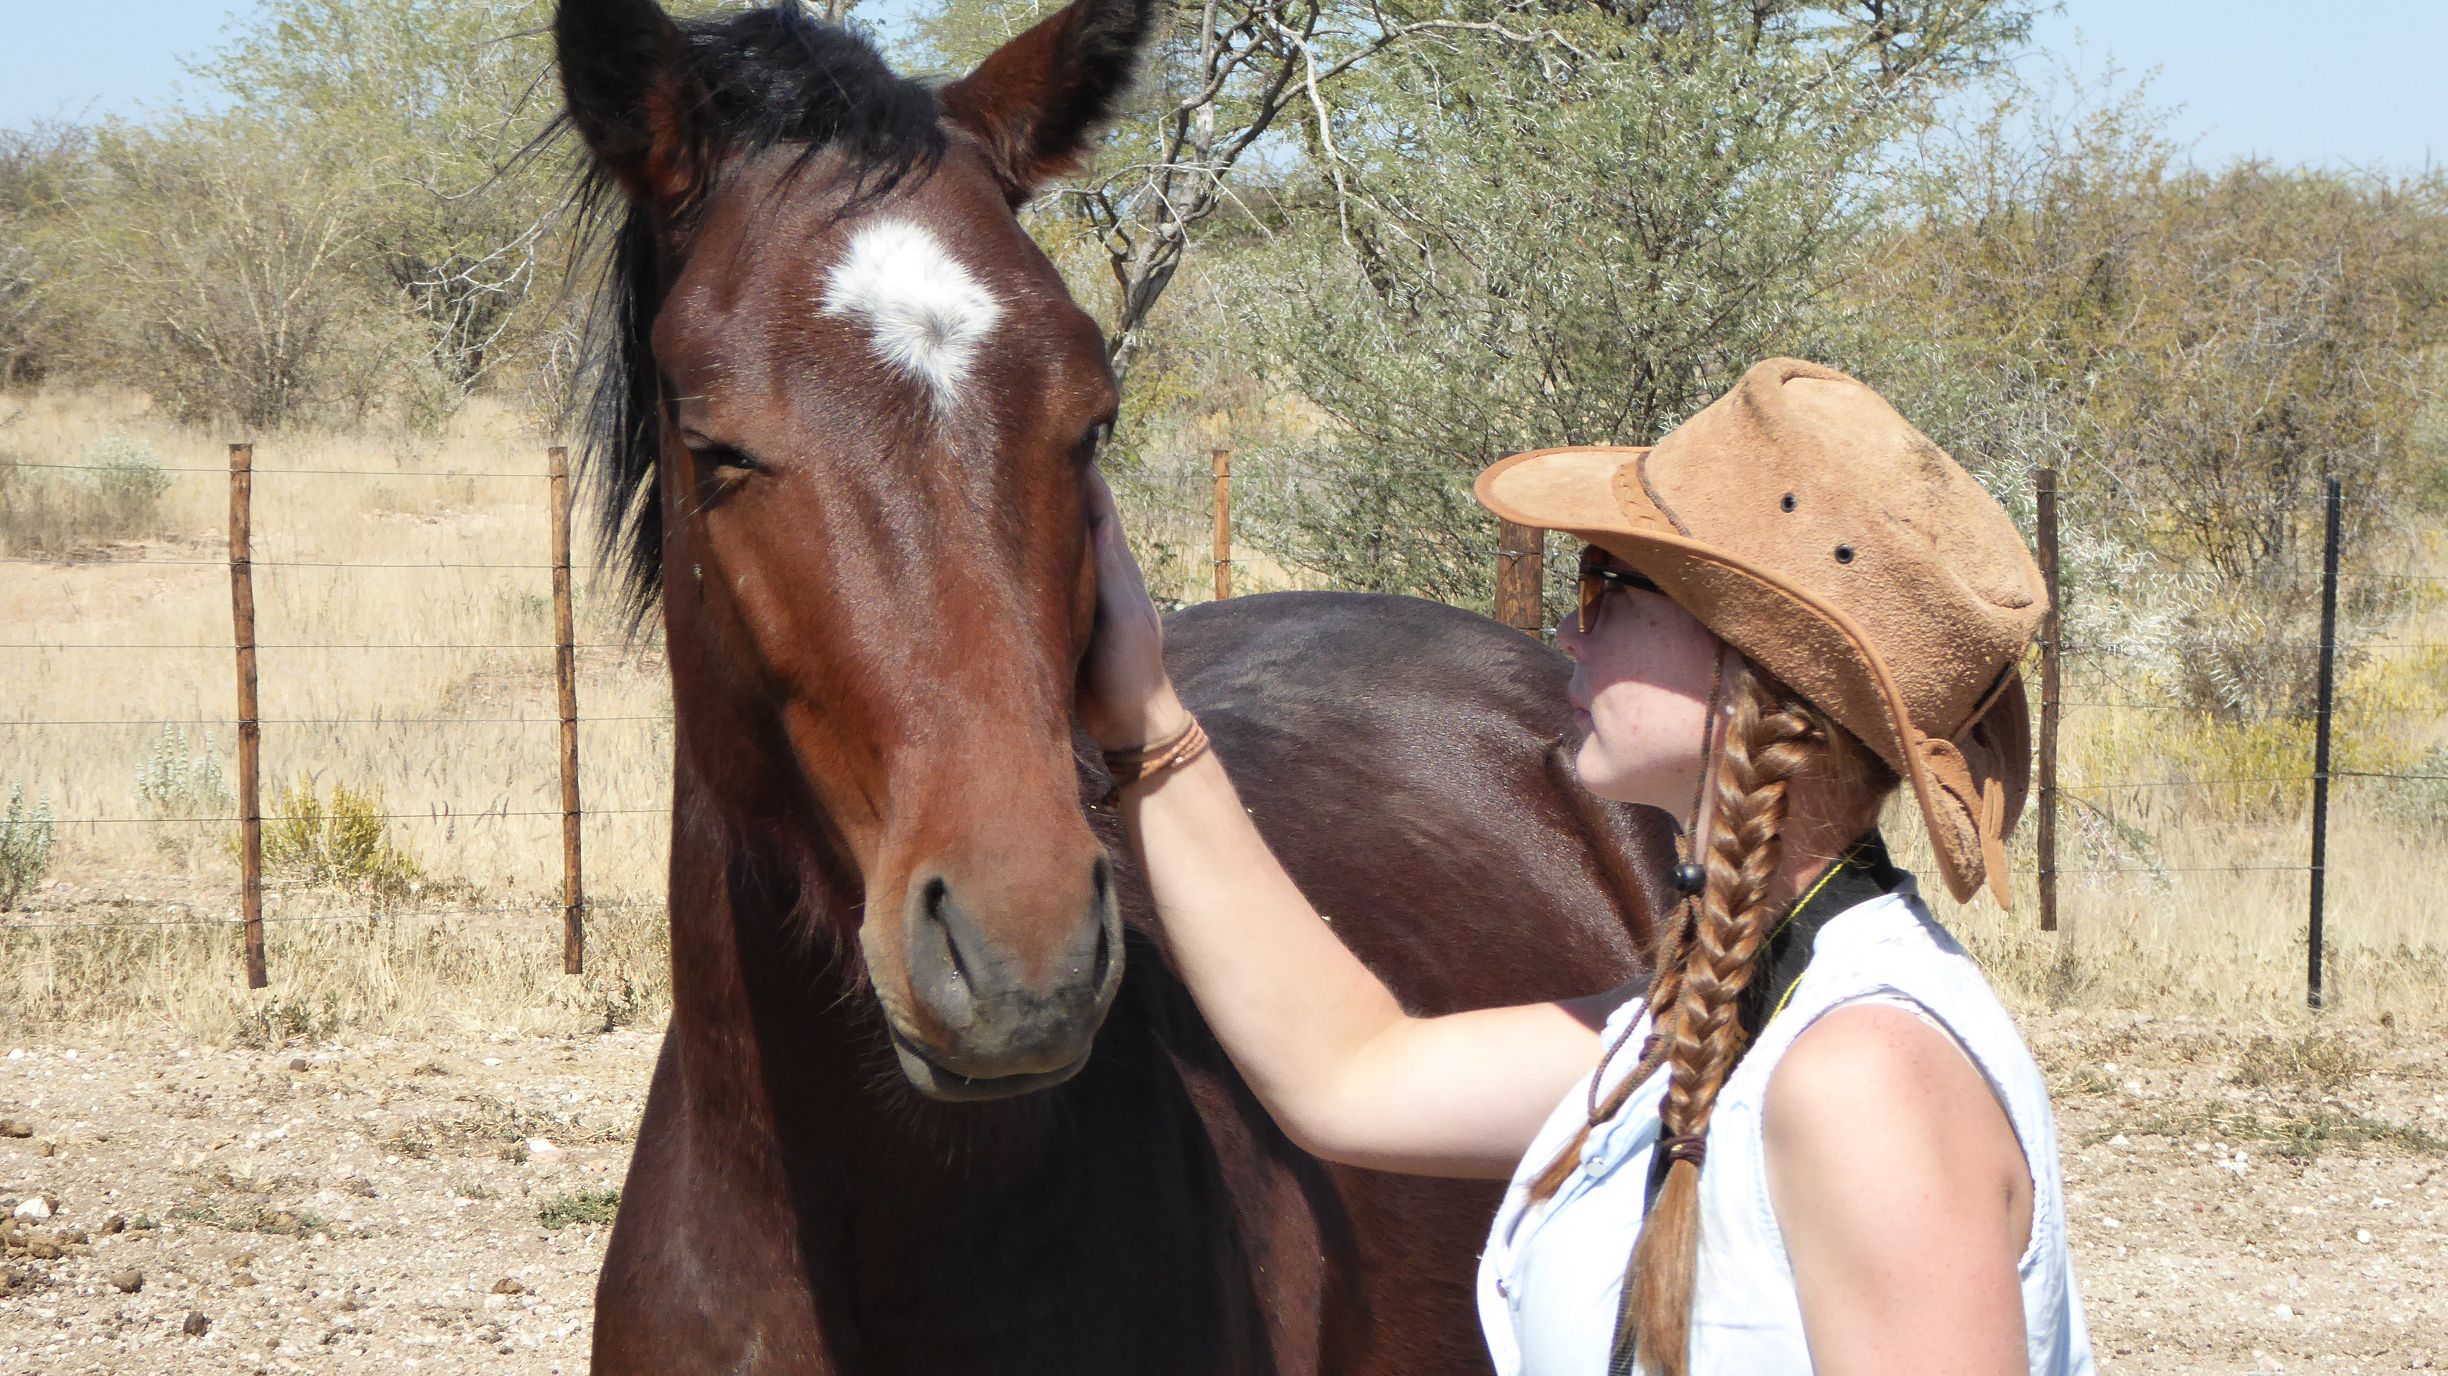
(1036, 100)
(624, 75)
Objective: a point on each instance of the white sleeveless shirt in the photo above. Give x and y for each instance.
(1552, 1276)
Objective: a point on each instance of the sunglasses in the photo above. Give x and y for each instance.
(1598, 578)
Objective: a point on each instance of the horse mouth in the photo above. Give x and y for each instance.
(939, 1081)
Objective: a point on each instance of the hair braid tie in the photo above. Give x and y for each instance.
(1692, 1147)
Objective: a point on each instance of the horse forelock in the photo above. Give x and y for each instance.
(762, 79)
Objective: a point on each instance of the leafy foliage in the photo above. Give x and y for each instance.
(2197, 352)
(114, 493)
(344, 843)
(1573, 233)
(588, 1208)
(182, 778)
(25, 845)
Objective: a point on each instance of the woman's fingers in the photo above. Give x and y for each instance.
(1123, 687)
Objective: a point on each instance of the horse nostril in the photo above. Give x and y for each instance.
(935, 900)
(1107, 919)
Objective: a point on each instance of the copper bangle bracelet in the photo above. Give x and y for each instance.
(1157, 758)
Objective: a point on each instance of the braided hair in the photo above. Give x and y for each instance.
(1704, 963)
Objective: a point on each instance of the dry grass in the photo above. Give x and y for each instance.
(2155, 918)
(2195, 898)
(472, 799)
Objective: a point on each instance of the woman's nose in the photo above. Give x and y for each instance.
(1568, 636)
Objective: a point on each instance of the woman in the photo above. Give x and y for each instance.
(1815, 1135)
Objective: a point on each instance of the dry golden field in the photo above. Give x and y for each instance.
(119, 691)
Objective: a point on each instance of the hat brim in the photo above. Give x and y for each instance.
(1585, 492)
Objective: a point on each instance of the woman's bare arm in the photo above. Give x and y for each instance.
(1345, 1071)
(1903, 1196)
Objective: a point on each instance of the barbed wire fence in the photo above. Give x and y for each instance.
(2074, 680)
(247, 722)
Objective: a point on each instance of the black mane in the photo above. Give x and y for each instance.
(760, 79)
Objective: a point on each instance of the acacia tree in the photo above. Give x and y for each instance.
(1573, 224)
(216, 261)
(1227, 82)
(437, 104)
(2233, 338)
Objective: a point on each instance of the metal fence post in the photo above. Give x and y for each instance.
(1223, 524)
(2313, 994)
(250, 735)
(1521, 574)
(2052, 634)
(565, 666)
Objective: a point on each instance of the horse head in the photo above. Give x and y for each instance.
(843, 427)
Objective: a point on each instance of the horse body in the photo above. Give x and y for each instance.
(795, 1206)
(930, 1101)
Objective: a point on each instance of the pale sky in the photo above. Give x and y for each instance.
(2359, 86)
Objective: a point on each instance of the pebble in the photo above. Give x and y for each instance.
(37, 1209)
(508, 1286)
(543, 1153)
(129, 1281)
(196, 1324)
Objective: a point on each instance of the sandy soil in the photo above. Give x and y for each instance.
(2245, 1200)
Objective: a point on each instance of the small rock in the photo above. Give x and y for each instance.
(36, 1209)
(2363, 1235)
(10, 1127)
(43, 1249)
(507, 1286)
(2284, 1311)
(300, 1063)
(543, 1153)
(129, 1281)
(114, 1225)
(196, 1324)
(46, 1148)
(242, 1261)
(243, 1279)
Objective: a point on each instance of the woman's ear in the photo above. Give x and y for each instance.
(624, 76)
(1036, 101)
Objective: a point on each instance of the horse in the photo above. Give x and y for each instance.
(930, 1100)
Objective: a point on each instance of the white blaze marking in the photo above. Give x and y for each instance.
(927, 314)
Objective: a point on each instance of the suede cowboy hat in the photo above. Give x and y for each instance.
(1807, 524)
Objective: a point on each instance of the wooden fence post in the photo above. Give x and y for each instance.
(1223, 524)
(2314, 996)
(250, 737)
(2051, 634)
(1521, 576)
(565, 666)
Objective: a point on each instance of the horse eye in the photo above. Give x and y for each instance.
(724, 456)
(1093, 443)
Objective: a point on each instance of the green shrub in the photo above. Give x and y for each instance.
(344, 843)
(25, 845)
(593, 1208)
(114, 494)
(177, 779)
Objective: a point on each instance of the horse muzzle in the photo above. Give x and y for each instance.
(997, 999)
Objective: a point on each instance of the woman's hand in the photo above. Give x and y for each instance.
(1125, 699)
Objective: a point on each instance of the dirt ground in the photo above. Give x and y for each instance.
(2245, 1199)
